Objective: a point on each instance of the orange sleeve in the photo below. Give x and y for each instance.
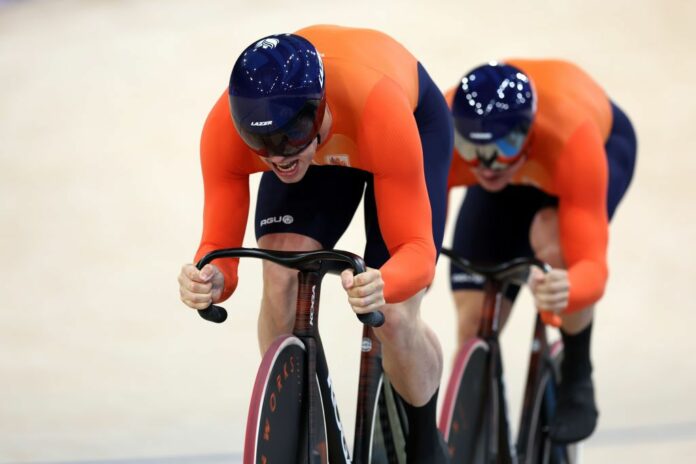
(460, 173)
(226, 188)
(389, 137)
(582, 213)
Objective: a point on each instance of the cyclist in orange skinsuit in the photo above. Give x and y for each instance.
(547, 156)
(327, 113)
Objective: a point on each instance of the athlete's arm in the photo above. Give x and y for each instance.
(389, 136)
(582, 214)
(226, 187)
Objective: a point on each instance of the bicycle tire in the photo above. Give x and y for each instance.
(542, 450)
(463, 421)
(279, 402)
(389, 427)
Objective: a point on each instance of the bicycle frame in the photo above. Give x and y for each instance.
(501, 449)
(539, 363)
(495, 398)
(312, 266)
(307, 329)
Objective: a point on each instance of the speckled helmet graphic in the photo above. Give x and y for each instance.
(493, 109)
(277, 95)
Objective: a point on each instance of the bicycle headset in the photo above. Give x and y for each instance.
(494, 106)
(277, 95)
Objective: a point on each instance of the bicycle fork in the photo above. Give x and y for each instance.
(320, 391)
(501, 449)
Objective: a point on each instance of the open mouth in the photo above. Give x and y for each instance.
(288, 168)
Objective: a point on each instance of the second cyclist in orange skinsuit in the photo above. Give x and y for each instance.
(547, 157)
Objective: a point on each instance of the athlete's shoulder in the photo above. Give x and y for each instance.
(567, 98)
(560, 79)
(367, 48)
(546, 67)
(341, 35)
(365, 71)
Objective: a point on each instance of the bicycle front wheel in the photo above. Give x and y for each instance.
(276, 428)
(463, 420)
(541, 449)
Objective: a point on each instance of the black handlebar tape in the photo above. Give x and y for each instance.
(213, 313)
(373, 319)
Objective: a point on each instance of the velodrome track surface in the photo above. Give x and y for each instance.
(102, 103)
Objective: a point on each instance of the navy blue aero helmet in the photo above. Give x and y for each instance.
(493, 105)
(277, 95)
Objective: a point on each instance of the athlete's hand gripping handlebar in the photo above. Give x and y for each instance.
(321, 261)
(514, 271)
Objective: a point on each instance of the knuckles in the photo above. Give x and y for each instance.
(360, 302)
(362, 292)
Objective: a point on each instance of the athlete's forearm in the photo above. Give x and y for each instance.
(410, 269)
(587, 282)
(227, 266)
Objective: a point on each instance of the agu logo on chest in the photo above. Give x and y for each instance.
(286, 219)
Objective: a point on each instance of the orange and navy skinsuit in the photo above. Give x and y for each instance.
(372, 90)
(566, 159)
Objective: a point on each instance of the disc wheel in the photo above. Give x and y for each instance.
(276, 423)
(463, 420)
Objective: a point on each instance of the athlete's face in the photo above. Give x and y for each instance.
(495, 180)
(291, 169)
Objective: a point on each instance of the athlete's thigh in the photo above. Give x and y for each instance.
(320, 206)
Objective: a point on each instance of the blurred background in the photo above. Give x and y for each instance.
(101, 107)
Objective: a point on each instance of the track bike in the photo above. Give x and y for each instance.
(474, 419)
(293, 416)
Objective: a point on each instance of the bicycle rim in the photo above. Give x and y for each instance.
(541, 449)
(390, 428)
(463, 420)
(276, 426)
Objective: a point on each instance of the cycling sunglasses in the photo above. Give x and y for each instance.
(497, 154)
(290, 139)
